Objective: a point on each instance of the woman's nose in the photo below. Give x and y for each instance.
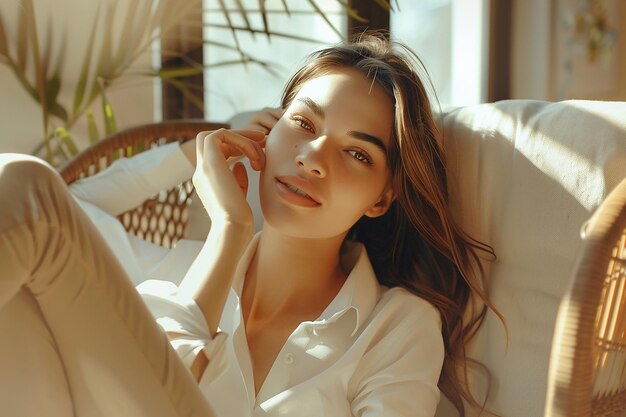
(311, 158)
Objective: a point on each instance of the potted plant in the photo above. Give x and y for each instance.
(111, 57)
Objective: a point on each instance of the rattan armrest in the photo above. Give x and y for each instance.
(587, 367)
(161, 219)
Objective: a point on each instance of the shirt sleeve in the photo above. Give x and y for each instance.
(177, 314)
(398, 376)
(128, 182)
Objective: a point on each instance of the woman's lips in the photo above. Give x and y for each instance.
(294, 194)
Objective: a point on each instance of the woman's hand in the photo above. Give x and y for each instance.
(264, 120)
(222, 191)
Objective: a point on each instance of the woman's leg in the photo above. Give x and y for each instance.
(30, 363)
(116, 360)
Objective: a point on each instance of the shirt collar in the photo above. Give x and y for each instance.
(360, 291)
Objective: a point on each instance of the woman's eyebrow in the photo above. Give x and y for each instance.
(369, 138)
(316, 108)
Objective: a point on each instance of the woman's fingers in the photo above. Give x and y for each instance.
(265, 119)
(276, 112)
(254, 135)
(246, 143)
(225, 144)
(239, 171)
(200, 146)
(219, 188)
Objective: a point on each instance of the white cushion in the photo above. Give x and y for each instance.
(524, 177)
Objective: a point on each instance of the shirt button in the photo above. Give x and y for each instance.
(289, 359)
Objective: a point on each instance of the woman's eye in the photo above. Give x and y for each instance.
(361, 156)
(303, 123)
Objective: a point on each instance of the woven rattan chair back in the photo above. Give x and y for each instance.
(162, 218)
(587, 374)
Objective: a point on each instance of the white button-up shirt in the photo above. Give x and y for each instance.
(374, 351)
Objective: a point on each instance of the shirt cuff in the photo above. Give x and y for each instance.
(181, 315)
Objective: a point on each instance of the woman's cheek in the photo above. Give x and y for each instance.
(278, 143)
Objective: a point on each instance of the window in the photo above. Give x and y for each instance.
(233, 88)
(452, 37)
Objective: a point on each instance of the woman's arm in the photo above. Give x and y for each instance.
(128, 182)
(183, 322)
(222, 192)
(209, 279)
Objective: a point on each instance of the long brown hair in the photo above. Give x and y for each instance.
(416, 244)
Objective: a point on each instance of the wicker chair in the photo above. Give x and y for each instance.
(161, 219)
(587, 372)
(588, 361)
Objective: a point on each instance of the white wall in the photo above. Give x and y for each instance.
(20, 116)
(530, 59)
(540, 50)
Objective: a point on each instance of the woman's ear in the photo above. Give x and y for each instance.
(382, 205)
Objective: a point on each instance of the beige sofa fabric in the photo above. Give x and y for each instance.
(524, 177)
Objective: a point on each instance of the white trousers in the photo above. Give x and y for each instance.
(75, 337)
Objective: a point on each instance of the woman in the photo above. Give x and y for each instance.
(351, 299)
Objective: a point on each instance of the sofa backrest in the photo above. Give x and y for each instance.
(524, 176)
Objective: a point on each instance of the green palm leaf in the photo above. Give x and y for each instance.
(244, 14)
(110, 125)
(94, 135)
(230, 25)
(126, 47)
(65, 139)
(384, 4)
(28, 14)
(109, 56)
(22, 39)
(266, 27)
(168, 73)
(4, 46)
(274, 33)
(284, 2)
(79, 94)
(52, 88)
(353, 13)
(46, 49)
(326, 19)
(185, 90)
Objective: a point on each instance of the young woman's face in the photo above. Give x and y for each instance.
(326, 162)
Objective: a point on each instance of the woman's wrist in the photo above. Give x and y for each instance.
(210, 282)
(230, 235)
